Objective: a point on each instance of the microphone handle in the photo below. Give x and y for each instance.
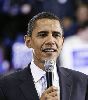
(49, 79)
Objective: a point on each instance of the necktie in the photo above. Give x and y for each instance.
(44, 83)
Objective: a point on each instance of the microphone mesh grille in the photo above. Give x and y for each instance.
(49, 65)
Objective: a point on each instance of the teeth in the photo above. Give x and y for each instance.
(48, 50)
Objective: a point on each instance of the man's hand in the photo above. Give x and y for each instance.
(50, 94)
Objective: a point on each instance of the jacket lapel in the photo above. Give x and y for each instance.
(27, 86)
(65, 84)
(29, 91)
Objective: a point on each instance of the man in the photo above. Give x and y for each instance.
(45, 36)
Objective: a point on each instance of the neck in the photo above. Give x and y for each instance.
(39, 63)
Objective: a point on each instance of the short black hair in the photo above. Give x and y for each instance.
(41, 15)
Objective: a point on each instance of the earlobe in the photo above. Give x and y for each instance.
(27, 41)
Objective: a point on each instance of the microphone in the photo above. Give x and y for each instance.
(49, 66)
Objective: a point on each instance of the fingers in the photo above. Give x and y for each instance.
(51, 89)
(53, 98)
(50, 94)
(53, 94)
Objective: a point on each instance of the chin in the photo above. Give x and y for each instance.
(50, 57)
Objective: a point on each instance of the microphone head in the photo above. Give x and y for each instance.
(49, 65)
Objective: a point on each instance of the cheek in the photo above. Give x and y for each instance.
(36, 46)
(60, 43)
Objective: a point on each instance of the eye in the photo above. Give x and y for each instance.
(57, 34)
(42, 34)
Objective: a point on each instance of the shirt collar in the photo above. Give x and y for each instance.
(37, 73)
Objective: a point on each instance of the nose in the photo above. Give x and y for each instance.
(50, 40)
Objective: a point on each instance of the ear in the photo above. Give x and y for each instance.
(62, 40)
(27, 40)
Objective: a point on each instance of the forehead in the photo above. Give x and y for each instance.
(46, 21)
(45, 24)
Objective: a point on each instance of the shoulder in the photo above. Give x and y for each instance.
(14, 78)
(73, 74)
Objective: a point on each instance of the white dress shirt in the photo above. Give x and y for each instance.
(38, 73)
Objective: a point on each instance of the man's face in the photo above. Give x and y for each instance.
(46, 39)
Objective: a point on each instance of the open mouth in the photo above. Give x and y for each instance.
(49, 50)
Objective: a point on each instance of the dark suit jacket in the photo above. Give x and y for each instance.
(20, 86)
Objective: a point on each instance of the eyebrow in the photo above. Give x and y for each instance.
(57, 32)
(42, 32)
